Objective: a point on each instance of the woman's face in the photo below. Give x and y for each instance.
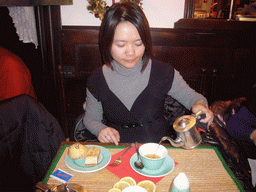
(127, 47)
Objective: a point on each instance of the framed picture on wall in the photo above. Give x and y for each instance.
(198, 3)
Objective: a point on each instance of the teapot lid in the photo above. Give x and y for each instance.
(184, 123)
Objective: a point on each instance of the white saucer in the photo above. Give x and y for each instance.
(167, 167)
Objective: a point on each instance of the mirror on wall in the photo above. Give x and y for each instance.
(214, 9)
(203, 8)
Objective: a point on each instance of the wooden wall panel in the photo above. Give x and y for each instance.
(81, 54)
(221, 54)
(186, 60)
(88, 57)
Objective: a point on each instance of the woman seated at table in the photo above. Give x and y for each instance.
(125, 97)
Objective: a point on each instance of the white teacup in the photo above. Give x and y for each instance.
(134, 189)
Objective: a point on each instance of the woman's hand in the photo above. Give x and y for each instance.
(200, 106)
(109, 135)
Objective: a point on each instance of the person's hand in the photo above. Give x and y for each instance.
(200, 106)
(109, 135)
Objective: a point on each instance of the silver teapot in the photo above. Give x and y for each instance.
(188, 136)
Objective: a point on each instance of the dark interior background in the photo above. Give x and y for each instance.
(215, 57)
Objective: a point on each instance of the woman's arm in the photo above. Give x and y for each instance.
(190, 98)
(183, 93)
(93, 121)
(93, 115)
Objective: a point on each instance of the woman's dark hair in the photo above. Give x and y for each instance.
(117, 13)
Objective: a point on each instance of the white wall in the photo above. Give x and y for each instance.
(160, 13)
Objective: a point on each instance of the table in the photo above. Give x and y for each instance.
(204, 167)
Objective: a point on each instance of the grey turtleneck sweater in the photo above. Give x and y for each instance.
(127, 84)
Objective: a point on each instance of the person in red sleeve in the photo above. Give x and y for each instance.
(15, 77)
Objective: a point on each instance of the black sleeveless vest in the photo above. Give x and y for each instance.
(145, 121)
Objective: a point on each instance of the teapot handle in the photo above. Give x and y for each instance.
(196, 115)
(199, 124)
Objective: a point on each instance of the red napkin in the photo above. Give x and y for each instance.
(125, 169)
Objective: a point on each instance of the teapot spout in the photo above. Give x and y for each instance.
(175, 143)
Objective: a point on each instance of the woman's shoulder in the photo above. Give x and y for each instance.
(96, 73)
(95, 77)
(97, 70)
(96, 83)
(161, 64)
(161, 78)
(162, 67)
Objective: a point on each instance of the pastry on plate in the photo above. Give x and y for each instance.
(92, 157)
(77, 151)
